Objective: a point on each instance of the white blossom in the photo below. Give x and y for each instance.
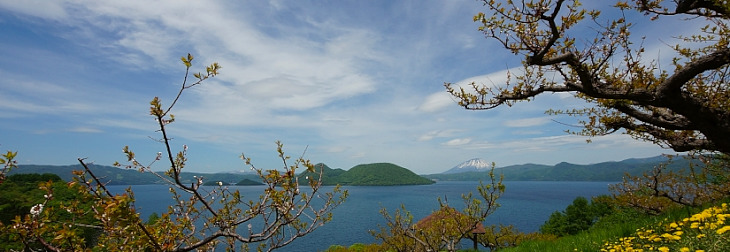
(36, 210)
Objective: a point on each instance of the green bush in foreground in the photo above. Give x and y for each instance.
(578, 216)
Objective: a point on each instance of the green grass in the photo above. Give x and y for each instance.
(609, 228)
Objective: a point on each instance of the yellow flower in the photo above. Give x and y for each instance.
(685, 249)
(664, 249)
(694, 225)
(723, 230)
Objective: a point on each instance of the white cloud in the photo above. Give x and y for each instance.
(437, 134)
(458, 141)
(526, 122)
(37, 8)
(436, 102)
(86, 130)
(261, 74)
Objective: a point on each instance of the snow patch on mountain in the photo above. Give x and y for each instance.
(471, 165)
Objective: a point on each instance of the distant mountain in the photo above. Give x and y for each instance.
(605, 171)
(471, 165)
(378, 174)
(118, 176)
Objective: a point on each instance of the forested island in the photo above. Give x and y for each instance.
(369, 175)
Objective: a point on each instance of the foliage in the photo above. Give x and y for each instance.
(8, 163)
(357, 247)
(701, 182)
(704, 231)
(594, 56)
(505, 236)
(577, 217)
(622, 222)
(42, 199)
(445, 227)
(201, 219)
(619, 223)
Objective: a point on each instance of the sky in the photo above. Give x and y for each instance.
(339, 82)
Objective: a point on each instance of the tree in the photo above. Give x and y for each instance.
(445, 227)
(577, 217)
(26, 196)
(201, 219)
(685, 108)
(707, 179)
(503, 236)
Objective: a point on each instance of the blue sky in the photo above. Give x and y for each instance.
(351, 82)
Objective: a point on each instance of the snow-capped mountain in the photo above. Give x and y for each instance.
(475, 164)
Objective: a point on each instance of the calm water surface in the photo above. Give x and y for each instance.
(525, 204)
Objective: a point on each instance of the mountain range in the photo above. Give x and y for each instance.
(604, 171)
(391, 174)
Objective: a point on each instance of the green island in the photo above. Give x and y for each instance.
(376, 174)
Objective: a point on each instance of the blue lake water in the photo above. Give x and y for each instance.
(525, 204)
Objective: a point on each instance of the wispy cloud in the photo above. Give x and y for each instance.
(527, 122)
(85, 130)
(437, 134)
(458, 141)
(437, 101)
(354, 81)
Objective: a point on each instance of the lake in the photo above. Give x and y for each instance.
(525, 204)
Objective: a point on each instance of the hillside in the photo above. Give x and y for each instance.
(377, 174)
(605, 171)
(329, 175)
